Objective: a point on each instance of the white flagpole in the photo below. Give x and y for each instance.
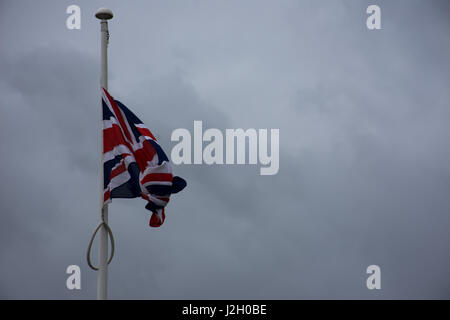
(102, 281)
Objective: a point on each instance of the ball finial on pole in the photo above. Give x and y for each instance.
(104, 14)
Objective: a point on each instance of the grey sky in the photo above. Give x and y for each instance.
(364, 154)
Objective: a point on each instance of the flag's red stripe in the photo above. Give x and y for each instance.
(157, 177)
(118, 170)
(106, 195)
(112, 137)
(154, 220)
(118, 115)
(146, 132)
(144, 154)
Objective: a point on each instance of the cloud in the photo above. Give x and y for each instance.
(363, 150)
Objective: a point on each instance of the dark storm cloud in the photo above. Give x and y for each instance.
(364, 154)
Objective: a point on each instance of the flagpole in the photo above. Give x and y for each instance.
(103, 15)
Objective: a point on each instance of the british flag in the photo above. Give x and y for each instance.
(134, 165)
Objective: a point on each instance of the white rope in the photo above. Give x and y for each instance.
(109, 232)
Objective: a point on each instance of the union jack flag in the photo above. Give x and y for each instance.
(134, 165)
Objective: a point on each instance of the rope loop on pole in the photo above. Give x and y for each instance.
(109, 232)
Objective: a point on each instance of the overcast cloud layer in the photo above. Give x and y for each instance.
(364, 148)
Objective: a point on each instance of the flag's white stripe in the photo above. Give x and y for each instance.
(157, 201)
(165, 167)
(119, 180)
(118, 150)
(166, 183)
(109, 123)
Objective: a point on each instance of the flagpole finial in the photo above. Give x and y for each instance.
(104, 14)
